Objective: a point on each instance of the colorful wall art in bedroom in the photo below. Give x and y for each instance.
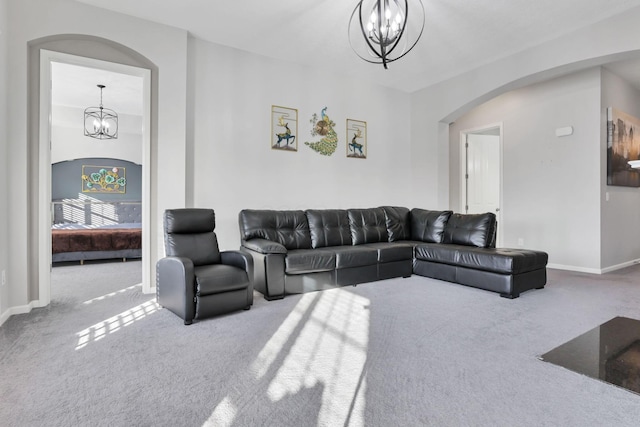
(103, 179)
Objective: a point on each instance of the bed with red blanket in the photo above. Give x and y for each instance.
(104, 231)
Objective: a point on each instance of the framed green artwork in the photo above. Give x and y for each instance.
(103, 179)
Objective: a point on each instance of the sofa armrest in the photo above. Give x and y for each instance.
(264, 246)
(176, 286)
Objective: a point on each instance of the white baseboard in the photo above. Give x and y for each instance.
(3, 317)
(594, 270)
(620, 266)
(21, 309)
(575, 268)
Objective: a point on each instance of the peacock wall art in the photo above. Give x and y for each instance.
(323, 127)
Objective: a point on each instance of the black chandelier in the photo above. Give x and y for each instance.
(386, 31)
(100, 122)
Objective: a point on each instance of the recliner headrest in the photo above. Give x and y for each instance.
(189, 220)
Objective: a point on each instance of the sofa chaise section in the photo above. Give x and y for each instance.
(506, 271)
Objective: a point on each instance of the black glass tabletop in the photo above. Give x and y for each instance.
(609, 352)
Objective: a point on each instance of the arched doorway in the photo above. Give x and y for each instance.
(92, 52)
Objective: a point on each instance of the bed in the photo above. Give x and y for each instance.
(91, 230)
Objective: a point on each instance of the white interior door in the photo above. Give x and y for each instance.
(482, 166)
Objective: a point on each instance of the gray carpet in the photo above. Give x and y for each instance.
(401, 352)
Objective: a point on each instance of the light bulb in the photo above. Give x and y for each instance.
(373, 17)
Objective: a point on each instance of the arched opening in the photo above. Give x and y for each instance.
(93, 52)
(570, 95)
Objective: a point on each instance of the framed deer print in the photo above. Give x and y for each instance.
(356, 139)
(284, 128)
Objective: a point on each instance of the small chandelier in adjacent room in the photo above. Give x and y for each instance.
(100, 122)
(386, 35)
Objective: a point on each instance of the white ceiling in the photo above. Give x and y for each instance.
(459, 35)
(76, 86)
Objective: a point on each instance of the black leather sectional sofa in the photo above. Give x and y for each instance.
(300, 251)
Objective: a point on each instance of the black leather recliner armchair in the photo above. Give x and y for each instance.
(195, 280)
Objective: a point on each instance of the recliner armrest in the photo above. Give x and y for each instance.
(176, 286)
(244, 261)
(175, 262)
(264, 246)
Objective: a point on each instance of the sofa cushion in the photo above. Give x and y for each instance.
(301, 261)
(396, 251)
(329, 227)
(471, 230)
(398, 223)
(355, 256)
(437, 252)
(219, 278)
(289, 228)
(502, 260)
(428, 226)
(368, 226)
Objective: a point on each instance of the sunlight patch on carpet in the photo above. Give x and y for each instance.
(330, 352)
(223, 415)
(111, 294)
(270, 351)
(113, 324)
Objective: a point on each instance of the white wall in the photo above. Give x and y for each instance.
(551, 185)
(234, 165)
(620, 226)
(166, 47)
(68, 141)
(4, 190)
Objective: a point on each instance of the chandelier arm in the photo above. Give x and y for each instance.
(383, 50)
(364, 34)
(404, 26)
(417, 39)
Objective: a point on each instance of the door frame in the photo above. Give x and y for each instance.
(44, 164)
(463, 171)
